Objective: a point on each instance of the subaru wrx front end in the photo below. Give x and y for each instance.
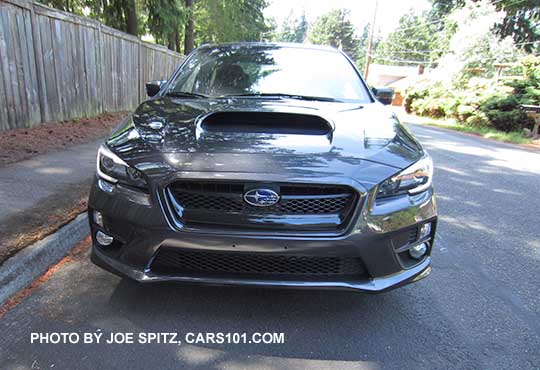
(264, 165)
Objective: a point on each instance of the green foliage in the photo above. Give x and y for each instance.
(503, 112)
(124, 15)
(362, 47)
(292, 29)
(335, 29)
(480, 102)
(418, 38)
(441, 8)
(219, 21)
(529, 88)
(166, 19)
(215, 20)
(521, 22)
(72, 6)
(414, 94)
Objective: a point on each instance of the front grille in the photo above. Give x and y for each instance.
(209, 202)
(323, 207)
(201, 263)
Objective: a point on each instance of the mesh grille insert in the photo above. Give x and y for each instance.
(228, 198)
(207, 202)
(171, 261)
(301, 207)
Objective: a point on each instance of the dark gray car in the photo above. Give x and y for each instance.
(264, 165)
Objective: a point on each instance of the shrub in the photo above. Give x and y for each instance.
(503, 113)
(479, 101)
(477, 119)
(464, 112)
(413, 94)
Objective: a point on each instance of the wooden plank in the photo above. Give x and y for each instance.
(38, 56)
(72, 35)
(4, 118)
(82, 99)
(35, 113)
(14, 95)
(57, 113)
(84, 42)
(53, 100)
(93, 70)
(59, 67)
(23, 69)
(5, 93)
(99, 64)
(109, 83)
(139, 70)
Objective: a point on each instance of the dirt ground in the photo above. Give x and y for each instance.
(19, 144)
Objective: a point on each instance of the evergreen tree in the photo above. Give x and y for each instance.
(335, 29)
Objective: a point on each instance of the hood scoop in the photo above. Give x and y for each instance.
(265, 123)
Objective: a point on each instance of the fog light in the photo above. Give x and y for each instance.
(98, 218)
(105, 186)
(418, 251)
(104, 239)
(425, 230)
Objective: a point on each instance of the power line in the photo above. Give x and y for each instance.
(422, 25)
(446, 17)
(428, 62)
(527, 43)
(402, 50)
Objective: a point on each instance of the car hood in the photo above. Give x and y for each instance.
(362, 140)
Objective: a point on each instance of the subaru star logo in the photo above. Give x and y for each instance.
(261, 197)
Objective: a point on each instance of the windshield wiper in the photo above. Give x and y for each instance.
(286, 96)
(185, 94)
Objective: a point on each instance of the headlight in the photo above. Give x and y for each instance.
(412, 180)
(112, 168)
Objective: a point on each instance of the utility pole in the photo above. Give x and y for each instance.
(370, 41)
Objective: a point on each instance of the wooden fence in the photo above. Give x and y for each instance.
(56, 66)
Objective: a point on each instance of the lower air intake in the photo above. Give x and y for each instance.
(177, 262)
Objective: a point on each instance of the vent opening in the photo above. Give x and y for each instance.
(266, 122)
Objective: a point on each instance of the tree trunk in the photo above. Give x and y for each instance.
(170, 41)
(189, 39)
(131, 17)
(177, 42)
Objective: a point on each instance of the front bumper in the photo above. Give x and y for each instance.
(380, 229)
(376, 285)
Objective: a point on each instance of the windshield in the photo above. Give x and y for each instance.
(268, 70)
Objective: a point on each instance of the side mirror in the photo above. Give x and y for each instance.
(385, 95)
(153, 87)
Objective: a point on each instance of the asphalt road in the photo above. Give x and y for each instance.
(479, 309)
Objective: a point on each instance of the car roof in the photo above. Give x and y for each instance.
(255, 45)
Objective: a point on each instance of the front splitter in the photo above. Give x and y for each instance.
(376, 285)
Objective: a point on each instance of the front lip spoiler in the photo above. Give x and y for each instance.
(377, 285)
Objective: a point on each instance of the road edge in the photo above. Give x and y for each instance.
(530, 147)
(28, 264)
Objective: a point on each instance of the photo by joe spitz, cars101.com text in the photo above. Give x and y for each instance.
(261, 164)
